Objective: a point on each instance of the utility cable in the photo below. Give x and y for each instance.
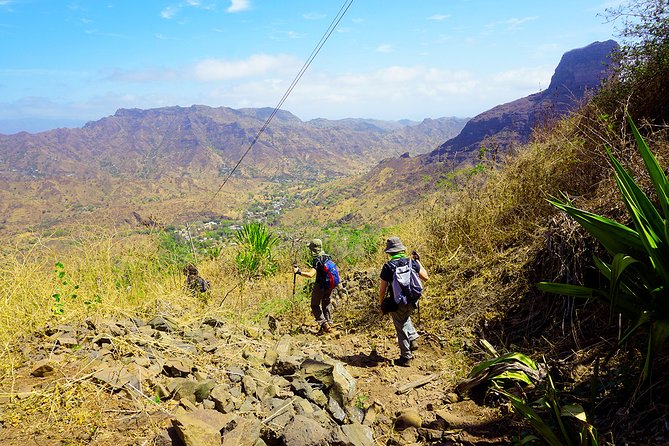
(342, 11)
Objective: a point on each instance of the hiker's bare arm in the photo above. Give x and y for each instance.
(422, 273)
(383, 287)
(310, 273)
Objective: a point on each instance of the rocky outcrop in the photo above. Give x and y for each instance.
(579, 72)
(277, 394)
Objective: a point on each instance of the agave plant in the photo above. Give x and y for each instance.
(556, 424)
(255, 255)
(638, 273)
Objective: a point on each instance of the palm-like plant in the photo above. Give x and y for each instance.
(255, 256)
(639, 270)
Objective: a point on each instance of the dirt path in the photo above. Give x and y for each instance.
(369, 358)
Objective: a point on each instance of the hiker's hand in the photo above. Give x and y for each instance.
(296, 270)
(415, 256)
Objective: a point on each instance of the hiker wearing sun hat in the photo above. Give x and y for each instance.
(400, 313)
(327, 278)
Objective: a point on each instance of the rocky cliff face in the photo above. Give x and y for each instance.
(580, 71)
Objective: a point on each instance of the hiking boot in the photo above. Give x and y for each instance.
(414, 345)
(325, 328)
(402, 362)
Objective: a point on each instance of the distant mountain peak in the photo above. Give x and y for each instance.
(580, 70)
(583, 68)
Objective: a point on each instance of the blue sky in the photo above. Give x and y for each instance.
(68, 62)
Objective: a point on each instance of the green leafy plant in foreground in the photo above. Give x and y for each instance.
(255, 255)
(638, 273)
(555, 423)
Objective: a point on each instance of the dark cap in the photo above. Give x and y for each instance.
(316, 247)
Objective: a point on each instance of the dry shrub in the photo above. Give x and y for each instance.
(486, 236)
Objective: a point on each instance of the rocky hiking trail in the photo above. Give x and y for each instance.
(157, 382)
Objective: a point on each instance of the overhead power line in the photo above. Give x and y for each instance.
(342, 11)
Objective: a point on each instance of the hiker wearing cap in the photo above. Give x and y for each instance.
(322, 290)
(407, 336)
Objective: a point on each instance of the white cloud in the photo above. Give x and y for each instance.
(515, 22)
(171, 11)
(168, 12)
(313, 16)
(218, 70)
(384, 48)
(509, 25)
(239, 5)
(439, 17)
(524, 79)
(519, 21)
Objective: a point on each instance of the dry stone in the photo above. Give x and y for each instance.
(317, 370)
(249, 385)
(358, 435)
(221, 397)
(287, 365)
(116, 377)
(304, 431)
(235, 374)
(42, 368)
(164, 323)
(343, 388)
(336, 410)
(408, 418)
(201, 427)
(245, 433)
(177, 367)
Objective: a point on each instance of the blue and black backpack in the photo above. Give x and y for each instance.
(327, 274)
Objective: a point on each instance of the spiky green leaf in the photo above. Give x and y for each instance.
(614, 236)
(656, 173)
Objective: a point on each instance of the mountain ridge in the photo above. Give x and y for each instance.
(164, 160)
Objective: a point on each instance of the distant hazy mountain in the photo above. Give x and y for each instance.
(202, 141)
(579, 71)
(11, 126)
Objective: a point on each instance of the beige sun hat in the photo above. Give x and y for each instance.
(394, 245)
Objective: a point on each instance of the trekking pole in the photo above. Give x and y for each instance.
(294, 278)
